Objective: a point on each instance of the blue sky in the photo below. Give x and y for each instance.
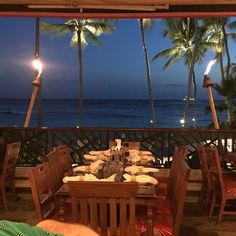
(115, 71)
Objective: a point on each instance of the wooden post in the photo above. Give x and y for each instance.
(213, 110)
(207, 83)
(36, 84)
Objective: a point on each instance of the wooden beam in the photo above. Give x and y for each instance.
(119, 2)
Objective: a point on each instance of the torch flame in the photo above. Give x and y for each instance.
(37, 64)
(210, 64)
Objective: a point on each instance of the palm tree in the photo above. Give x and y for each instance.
(217, 32)
(189, 43)
(227, 89)
(37, 55)
(146, 24)
(82, 31)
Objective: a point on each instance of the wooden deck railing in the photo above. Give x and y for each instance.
(37, 142)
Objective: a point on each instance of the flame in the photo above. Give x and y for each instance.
(210, 64)
(37, 64)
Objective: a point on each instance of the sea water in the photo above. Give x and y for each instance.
(106, 113)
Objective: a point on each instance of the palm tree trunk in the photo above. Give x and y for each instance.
(190, 76)
(229, 110)
(195, 101)
(80, 65)
(39, 96)
(153, 115)
(227, 52)
(222, 67)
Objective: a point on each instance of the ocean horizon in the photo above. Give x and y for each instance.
(113, 113)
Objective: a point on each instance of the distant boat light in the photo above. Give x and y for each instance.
(210, 64)
(182, 121)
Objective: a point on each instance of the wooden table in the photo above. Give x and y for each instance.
(145, 196)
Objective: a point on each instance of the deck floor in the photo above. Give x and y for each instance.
(195, 222)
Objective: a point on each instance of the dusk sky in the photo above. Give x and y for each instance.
(116, 71)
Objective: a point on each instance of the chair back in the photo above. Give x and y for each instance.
(180, 173)
(180, 152)
(215, 170)
(204, 165)
(59, 161)
(107, 207)
(9, 165)
(131, 145)
(42, 192)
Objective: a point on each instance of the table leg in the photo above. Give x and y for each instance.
(149, 221)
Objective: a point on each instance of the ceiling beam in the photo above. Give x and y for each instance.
(117, 8)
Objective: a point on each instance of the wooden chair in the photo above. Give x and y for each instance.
(206, 190)
(59, 161)
(164, 189)
(42, 191)
(7, 177)
(107, 207)
(131, 145)
(165, 222)
(168, 214)
(224, 186)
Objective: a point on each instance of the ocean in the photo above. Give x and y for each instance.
(105, 113)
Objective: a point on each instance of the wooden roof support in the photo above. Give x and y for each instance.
(118, 8)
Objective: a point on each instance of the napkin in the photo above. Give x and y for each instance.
(82, 169)
(133, 157)
(147, 158)
(132, 169)
(107, 152)
(142, 179)
(133, 151)
(90, 157)
(87, 177)
(148, 153)
(139, 169)
(96, 166)
(95, 152)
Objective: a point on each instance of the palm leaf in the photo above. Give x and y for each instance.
(55, 29)
(89, 35)
(147, 24)
(172, 59)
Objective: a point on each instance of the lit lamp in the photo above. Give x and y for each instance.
(36, 83)
(208, 83)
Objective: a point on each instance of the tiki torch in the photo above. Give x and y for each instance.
(208, 83)
(36, 84)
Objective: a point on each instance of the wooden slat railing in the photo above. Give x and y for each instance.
(36, 142)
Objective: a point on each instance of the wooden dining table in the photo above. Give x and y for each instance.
(145, 196)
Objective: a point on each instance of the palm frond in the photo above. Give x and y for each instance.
(232, 25)
(56, 30)
(165, 53)
(74, 40)
(173, 59)
(92, 37)
(147, 24)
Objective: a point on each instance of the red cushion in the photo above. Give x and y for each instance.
(162, 224)
(162, 220)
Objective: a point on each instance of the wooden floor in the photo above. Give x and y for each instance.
(195, 222)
